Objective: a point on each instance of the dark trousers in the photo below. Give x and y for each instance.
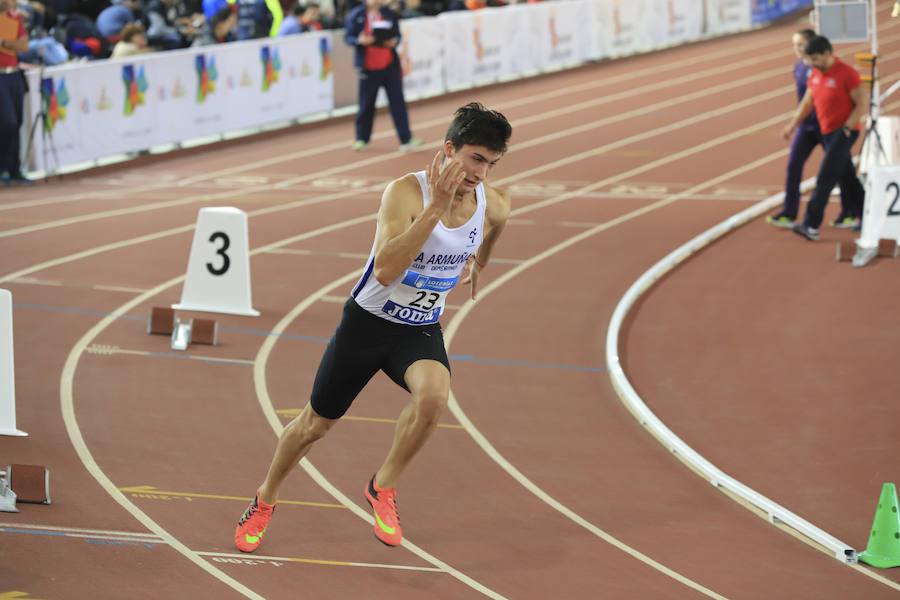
(836, 168)
(805, 141)
(369, 83)
(12, 98)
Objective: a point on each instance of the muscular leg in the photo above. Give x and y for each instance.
(429, 383)
(295, 441)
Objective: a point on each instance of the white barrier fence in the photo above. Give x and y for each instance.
(88, 111)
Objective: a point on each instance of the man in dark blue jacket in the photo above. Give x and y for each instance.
(374, 31)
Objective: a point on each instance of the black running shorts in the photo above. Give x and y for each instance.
(362, 345)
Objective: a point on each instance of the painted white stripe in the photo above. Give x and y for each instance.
(99, 532)
(506, 465)
(268, 409)
(339, 563)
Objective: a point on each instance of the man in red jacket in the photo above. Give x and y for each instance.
(13, 39)
(835, 90)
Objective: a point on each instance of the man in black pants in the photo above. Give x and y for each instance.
(835, 90)
(374, 31)
(12, 96)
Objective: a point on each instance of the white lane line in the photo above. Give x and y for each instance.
(250, 558)
(147, 537)
(489, 448)
(268, 409)
(541, 117)
(740, 48)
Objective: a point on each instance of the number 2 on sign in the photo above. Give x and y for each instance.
(226, 261)
(893, 209)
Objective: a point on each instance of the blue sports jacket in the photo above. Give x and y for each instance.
(355, 24)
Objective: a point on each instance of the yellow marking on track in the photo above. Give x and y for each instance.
(252, 559)
(290, 413)
(145, 491)
(16, 595)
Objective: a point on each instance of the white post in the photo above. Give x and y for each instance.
(218, 273)
(7, 369)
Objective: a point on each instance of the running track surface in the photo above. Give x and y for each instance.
(762, 352)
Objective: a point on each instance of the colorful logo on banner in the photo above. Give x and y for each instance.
(207, 74)
(617, 19)
(53, 101)
(135, 88)
(554, 38)
(476, 38)
(271, 66)
(403, 53)
(763, 11)
(325, 52)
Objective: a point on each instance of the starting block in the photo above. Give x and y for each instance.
(163, 321)
(7, 496)
(30, 483)
(886, 248)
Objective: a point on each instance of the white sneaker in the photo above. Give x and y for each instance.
(411, 145)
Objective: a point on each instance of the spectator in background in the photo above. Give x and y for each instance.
(211, 7)
(42, 49)
(12, 97)
(115, 17)
(374, 31)
(411, 9)
(133, 40)
(220, 29)
(836, 92)
(301, 19)
(163, 31)
(806, 137)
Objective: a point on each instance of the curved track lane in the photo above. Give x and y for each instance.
(537, 483)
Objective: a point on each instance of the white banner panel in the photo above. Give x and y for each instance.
(726, 16)
(477, 50)
(620, 27)
(116, 106)
(675, 21)
(421, 57)
(561, 36)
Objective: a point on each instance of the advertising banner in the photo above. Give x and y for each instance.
(726, 16)
(763, 11)
(421, 57)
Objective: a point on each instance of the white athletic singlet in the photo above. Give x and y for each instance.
(417, 296)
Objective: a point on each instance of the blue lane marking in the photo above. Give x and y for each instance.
(304, 338)
(89, 540)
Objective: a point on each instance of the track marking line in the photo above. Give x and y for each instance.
(153, 491)
(505, 464)
(603, 82)
(290, 413)
(249, 558)
(542, 117)
(109, 350)
(82, 530)
(268, 409)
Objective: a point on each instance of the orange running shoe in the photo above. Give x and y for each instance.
(387, 520)
(252, 526)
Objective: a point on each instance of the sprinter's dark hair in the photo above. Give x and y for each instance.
(476, 125)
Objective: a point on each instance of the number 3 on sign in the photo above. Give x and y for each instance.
(220, 251)
(218, 274)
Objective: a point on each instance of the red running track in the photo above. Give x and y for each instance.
(762, 352)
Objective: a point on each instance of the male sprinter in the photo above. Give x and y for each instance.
(435, 227)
